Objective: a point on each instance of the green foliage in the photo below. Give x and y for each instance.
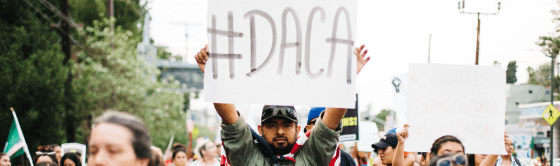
(32, 75)
(383, 115)
(126, 12)
(107, 75)
(550, 45)
(542, 76)
(112, 76)
(510, 72)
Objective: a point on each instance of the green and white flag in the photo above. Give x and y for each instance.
(16, 144)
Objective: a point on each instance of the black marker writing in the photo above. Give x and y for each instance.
(284, 45)
(214, 55)
(333, 40)
(308, 41)
(251, 14)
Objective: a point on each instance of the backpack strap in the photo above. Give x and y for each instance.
(516, 161)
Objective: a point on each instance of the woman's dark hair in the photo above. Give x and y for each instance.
(156, 160)
(471, 159)
(177, 146)
(202, 147)
(141, 141)
(45, 151)
(46, 164)
(441, 140)
(3, 154)
(175, 152)
(72, 156)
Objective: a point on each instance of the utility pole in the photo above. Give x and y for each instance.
(429, 47)
(110, 13)
(462, 11)
(552, 61)
(187, 25)
(67, 49)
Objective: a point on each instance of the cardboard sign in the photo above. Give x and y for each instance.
(350, 125)
(467, 102)
(288, 52)
(368, 135)
(400, 91)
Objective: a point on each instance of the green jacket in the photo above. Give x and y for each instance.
(241, 151)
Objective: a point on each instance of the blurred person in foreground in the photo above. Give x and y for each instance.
(346, 159)
(5, 160)
(277, 142)
(206, 152)
(119, 138)
(70, 159)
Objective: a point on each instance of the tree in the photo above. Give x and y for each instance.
(542, 76)
(32, 74)
(510, 72)
(113, 76)
(383, 115)
(128, 13)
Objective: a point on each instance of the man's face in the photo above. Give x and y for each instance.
(58, 153)
(509, 146)
(386, 155)
(280, 133)
(310, 124)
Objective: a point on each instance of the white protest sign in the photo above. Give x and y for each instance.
(288, 52)
(467, 102)
(400, 91)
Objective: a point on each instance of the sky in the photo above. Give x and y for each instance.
(397, 33)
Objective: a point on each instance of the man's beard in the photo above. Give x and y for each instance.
(280, 150)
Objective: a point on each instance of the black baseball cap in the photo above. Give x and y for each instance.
(270, 111)
(389, 139)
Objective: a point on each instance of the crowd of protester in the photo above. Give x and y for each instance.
(119, 138)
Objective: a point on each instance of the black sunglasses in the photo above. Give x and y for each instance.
(273, 111)
(458, 159)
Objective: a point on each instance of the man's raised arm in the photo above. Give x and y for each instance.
(226, 111)
(333, 115)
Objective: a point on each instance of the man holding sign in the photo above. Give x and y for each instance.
(279, 132)
(305, 60)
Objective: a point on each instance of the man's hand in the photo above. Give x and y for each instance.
(226, 111)
(361, 57)
(398, 159)
(402, 135)
(333, 115)
(201, 57)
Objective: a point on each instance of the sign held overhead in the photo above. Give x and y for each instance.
(467, 102)
(281, 52)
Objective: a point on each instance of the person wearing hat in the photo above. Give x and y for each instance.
(346, 159)
(275, 143)
(386, 150)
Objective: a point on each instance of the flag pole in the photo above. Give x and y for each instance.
(26, 150)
